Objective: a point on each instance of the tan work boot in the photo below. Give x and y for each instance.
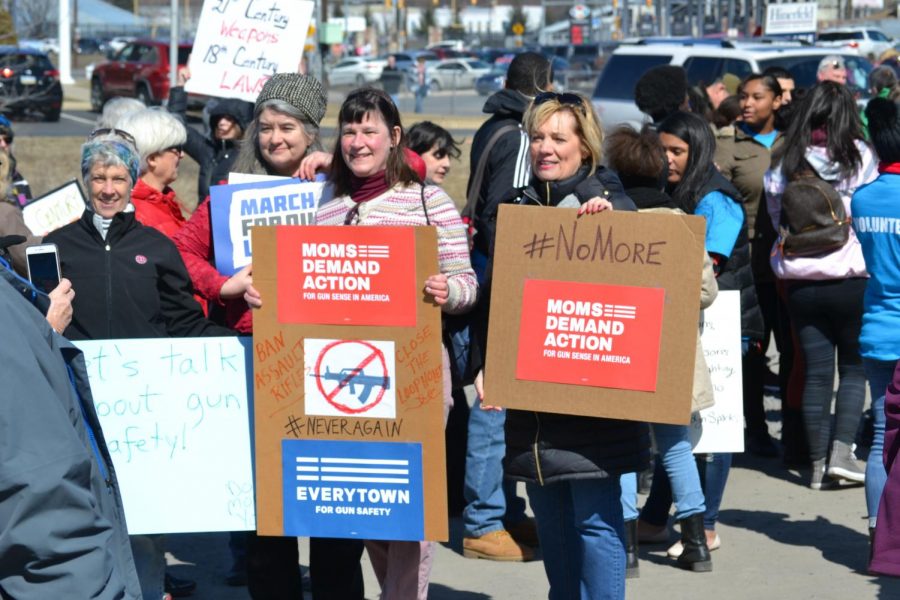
(496, 545)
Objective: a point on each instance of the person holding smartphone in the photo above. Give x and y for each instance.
(131, 283)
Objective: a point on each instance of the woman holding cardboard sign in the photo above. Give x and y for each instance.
(374, 184)
(571, 464)
(284, 130)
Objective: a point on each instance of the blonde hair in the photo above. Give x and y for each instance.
(587, 124)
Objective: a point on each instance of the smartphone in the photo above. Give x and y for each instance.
(43, 266)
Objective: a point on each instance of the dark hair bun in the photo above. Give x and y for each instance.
(884, 128)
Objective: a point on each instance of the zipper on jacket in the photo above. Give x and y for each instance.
(537, 459)
(108, 290)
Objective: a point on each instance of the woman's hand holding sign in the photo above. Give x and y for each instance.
(595, 205)
(237, 284)
(437, 287)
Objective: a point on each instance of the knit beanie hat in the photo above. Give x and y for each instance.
(661, 91)
(303, 92)
(884, 128)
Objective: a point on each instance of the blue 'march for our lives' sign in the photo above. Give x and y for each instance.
(344, 489)
(236, 208)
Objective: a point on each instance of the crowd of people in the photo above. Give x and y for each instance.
(796, 188)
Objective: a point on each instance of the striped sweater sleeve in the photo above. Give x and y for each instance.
(453, 251)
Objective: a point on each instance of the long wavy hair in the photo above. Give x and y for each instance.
(828, 108)
(354, 109)
(250, 159)
(694, 131)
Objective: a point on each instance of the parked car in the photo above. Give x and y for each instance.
(704, 63)
(493, 80)
(88, 45)
(139, 70)
(866, 41)
(456, 73)
(407, 60)
(29, 82)
(356, 71)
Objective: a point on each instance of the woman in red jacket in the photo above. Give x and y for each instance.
(159, 138)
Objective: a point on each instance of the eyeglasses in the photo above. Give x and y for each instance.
(179, 149)
(565, 99)
(113, 131)
(6, 139)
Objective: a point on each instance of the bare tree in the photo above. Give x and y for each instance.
(36, 18)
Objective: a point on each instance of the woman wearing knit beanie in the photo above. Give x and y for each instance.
(284, 131)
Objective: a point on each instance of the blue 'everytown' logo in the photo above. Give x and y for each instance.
(368, 490)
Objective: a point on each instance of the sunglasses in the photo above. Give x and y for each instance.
(179, 149)
(113, 131)
(6, 139)
(564, 99)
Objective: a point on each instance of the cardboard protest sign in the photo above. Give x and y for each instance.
(54, 209)
(240, 44)
(175, 415)
(349, 411)
(235, 209)
(720, 428)
(595, 315)
(348, 276)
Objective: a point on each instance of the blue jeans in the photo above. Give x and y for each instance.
(421, 92)
(489, 499)
(150, 561)
(879, 373)
(713, 470)
(629, 484)
(580, 527)
(674, 445)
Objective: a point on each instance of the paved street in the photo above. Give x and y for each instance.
(779, 540)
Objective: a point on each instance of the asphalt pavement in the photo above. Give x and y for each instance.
(457, 110)
(780, 540)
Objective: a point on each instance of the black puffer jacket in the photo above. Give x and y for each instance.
(215, 157)
(548, 447)
(736, 273)
(131, 285)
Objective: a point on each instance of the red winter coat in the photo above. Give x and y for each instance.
(194, 241)
(157, 209)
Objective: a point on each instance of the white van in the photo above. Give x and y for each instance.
(705, 62)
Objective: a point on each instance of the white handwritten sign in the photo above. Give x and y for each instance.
(54, 209)
(720, 428)
(174, 414)
(241, 43)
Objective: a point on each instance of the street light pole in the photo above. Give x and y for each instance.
(65, 43)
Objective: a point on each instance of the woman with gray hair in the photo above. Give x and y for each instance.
(284, 131)
(160, 139)
(130, 282)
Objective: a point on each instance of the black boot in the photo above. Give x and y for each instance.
(632, 570)
(695, 555)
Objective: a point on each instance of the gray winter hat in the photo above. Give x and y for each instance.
(303, 92)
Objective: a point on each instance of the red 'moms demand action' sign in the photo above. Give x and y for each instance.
(347, 275)
(590, 334)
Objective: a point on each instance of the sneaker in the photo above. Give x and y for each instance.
(818, 474)
(496, 545)
(844, 464)
(524, 532)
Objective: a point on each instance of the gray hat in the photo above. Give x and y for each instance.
(303, 92)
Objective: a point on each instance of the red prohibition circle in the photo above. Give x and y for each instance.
(376, 354)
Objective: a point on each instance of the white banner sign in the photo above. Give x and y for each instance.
(174, 414)
(241, 43)
(720, 428)
(54, 209)
(791, 18)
